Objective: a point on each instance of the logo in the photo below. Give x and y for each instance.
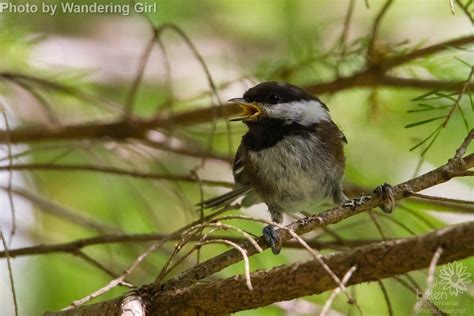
(454, 278)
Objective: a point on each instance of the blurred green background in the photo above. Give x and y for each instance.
(242, 42)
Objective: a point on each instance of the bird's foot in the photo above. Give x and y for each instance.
(352, 204)
(272, 237)
(385, 191)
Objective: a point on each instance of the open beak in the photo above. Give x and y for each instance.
(250, 111)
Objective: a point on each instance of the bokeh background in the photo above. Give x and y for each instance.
(242, 43)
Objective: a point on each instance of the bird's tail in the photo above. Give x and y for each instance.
(225, 199)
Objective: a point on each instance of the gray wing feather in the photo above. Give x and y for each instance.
(241, 180)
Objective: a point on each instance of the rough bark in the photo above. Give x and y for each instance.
(373, 262)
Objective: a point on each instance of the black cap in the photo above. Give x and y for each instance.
(274, 92)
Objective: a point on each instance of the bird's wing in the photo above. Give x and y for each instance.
(239, 167)
(242, 182)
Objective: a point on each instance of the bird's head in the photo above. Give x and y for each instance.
(280, 102)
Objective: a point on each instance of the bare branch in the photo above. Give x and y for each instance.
(374, 262)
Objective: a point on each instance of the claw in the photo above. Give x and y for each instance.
(352, 204)
(385, 191)
(272, 237)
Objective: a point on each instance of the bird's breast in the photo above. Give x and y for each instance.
(296, 170)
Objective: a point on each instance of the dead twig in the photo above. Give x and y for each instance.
(338, 290)
(430, 278)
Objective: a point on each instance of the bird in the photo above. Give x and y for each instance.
(291, 157)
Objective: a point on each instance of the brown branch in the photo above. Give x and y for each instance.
(374, 262)
(73, 246)
(137, 128)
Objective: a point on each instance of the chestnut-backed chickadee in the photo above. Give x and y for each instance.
(292, 156)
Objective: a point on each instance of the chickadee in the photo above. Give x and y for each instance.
(291, 157)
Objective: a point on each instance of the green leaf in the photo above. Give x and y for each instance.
(429, 109)
(432, 141)
(437, 94)
(423, 96)
(425, 105)
(426, 139)
(425, 121)
(447, 96)
(461, 112)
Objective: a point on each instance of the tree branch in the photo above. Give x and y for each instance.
(374, 262)
(135, 128)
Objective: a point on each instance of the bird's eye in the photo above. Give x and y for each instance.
(273, 99)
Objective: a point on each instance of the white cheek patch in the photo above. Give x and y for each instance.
(303, 112)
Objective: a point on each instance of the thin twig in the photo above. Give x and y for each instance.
(375, 27)
(10, 272)
(132, 93)
(456, 102)
(197, 230)
(465, 9)
(100, 266)
(334, 294)
(117, 281)
(10, 172)
(316, 256)
(439, 198)
(467, 141)
(75, 217)
(244, 256)
(451, 6)
(415, 289)
(430, 278)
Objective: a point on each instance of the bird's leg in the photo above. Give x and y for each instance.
(385, 191)
(272, 237)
